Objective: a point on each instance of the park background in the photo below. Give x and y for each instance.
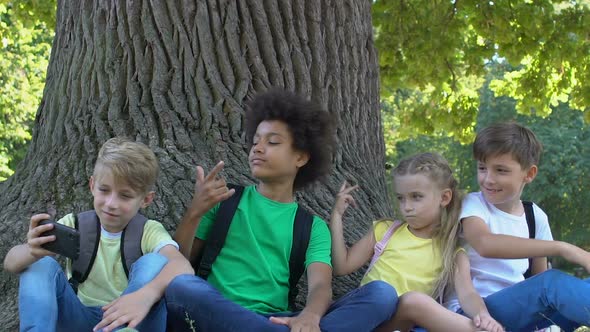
(400, 77)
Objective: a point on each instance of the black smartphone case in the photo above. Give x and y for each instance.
(67, 240)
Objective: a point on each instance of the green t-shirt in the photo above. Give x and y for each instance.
(252, 268)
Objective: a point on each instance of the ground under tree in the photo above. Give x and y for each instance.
(175, 75)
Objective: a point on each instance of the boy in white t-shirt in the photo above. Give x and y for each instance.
(495, 227)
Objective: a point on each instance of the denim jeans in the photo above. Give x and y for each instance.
(47, 302)
(552, 297)
(194, 305)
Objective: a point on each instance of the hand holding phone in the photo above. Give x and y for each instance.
(67, 239)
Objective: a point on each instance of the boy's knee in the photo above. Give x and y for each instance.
(45, 265)
(152, 259)
(148, 266)
(187, 285)
(553, 276)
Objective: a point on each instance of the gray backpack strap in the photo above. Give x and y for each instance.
(88, 225)
(131, 242)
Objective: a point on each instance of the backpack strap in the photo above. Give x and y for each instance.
(131, 242)
(380, 246)
(218, 233)
(530, 221)
(88, 225)
(301, 236)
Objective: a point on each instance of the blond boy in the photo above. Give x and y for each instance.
(122, 183)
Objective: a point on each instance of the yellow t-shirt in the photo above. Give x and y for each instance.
(107, 280)
(408, 263)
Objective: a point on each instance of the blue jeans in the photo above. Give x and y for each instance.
(194, 305)
(552, 297)
(47, 302)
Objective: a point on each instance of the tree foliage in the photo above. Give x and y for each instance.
(561, 185)
(26, 43)
(434, 53)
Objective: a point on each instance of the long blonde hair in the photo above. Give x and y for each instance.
(446, 233)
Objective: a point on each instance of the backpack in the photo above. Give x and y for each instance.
(88, 225)
(301, 235)
(530, 221)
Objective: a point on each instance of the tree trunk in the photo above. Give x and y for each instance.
(175, 75)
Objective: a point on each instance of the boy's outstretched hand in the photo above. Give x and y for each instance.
(344, 199)
(34, 238)
(128, 309)
(209, 190)
(576, 255)
(301, 323)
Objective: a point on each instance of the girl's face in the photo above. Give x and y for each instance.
(420, 202)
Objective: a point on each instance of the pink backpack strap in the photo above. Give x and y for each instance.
(380, 246)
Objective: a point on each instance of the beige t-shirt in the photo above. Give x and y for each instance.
(107, 280)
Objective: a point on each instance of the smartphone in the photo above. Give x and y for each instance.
(67, 239)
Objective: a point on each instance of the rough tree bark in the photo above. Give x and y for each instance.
(175, 75)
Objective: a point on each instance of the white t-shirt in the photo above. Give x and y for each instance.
(490, 275)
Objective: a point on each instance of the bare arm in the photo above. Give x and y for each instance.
(209, 190)
(471, 302)
(319, 297)
(23, 255)
(491, 245)
(539, 265)
(177, 264)
(19, 258)
(347, 260)
(185, 234)
(319, 289)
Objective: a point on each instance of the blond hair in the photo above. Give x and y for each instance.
(129, 162)
(446, 233)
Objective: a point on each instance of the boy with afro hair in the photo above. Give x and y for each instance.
(291, 142)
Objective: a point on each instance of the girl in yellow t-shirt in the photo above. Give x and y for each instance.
(419, 255)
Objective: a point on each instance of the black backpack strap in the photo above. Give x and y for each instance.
(88, 225)
(218, 233)
(530, 221)
(301, 235)
(131, 242)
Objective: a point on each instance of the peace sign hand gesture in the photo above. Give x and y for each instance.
(343, 200)
(209, 190)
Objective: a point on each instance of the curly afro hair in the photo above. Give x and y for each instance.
(312, 129)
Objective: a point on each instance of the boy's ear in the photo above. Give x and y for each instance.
(302, 159)
(148, 199)
(446, 197)
(531, 174)
(91, 184)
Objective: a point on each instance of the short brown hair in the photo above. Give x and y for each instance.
(508, 137)
(130, 162)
